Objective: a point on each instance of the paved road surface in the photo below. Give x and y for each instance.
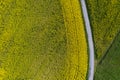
(90, 40)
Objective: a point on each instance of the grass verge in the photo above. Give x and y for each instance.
(105, 18)
(109, 69)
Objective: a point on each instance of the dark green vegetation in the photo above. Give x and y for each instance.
(109, 67)
(32, 40)
(105, 21)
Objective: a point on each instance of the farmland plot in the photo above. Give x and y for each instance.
(109, 67)
(105, 21)
(42, 40)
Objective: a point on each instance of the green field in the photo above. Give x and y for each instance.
(42, 40)
(32, 40)
(109, 67)
(105, 21)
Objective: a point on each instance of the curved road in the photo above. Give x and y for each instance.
(90, 40)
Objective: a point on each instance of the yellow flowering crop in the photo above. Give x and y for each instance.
(42, 40)
(2, 73)
(76, 45)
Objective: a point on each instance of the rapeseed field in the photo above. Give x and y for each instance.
(42, 40)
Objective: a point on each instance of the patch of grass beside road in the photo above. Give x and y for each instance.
(105, 21)
(109, 67)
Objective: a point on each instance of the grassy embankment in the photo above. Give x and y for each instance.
(37, 43)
